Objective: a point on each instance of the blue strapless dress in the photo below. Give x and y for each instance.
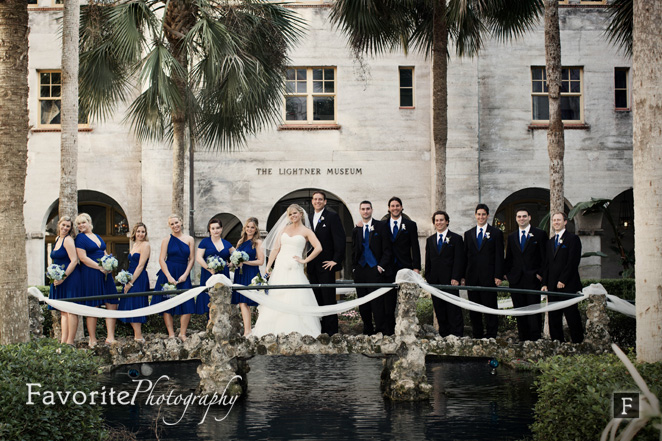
(70, 287)
(176, 260)
(94, 282)
(141, 284)
(202, 302)
(248, 273)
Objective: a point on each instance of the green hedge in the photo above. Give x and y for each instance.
(623, 288)
(58, 368)
(574, 396)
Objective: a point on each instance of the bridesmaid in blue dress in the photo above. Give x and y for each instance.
(95, 281)
(213, 245)
(64, 254)
(176, 261)
(250, 243)
(138, 259)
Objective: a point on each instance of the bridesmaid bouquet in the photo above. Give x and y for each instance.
(237, 258)
(55, 272)
(215, 263)
(168, 287)
(258, 281)
(108, 263)
(124, 277)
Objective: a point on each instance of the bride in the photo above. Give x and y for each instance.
(287, 243)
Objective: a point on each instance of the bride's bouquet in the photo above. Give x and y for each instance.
(215, 263)
(124, 277)
(55, 272)
(237, 258)
(108, 263)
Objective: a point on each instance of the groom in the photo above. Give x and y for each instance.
(331, 234)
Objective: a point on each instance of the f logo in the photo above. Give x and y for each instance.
(625, 404)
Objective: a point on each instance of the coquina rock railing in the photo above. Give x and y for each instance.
(225, 354)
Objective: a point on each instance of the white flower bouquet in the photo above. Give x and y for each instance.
(258, 280)
(237, 258)
(168, 287)
(55, 272)
(124, 277)
(216, 263)
(108, 263)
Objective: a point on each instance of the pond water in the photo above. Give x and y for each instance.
(329, 397)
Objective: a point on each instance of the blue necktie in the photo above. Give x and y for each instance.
(522, 241)
(556, 242)
(395, 229)
(366, 234)
(440, 243)
(479, 239)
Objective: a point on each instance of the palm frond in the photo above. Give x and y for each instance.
(619, 30)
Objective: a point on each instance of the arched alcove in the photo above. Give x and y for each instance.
(231, 227)
(303, 197)
(535, 200)
(621, 209)
(108, 219)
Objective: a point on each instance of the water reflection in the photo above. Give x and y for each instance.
(332, 397)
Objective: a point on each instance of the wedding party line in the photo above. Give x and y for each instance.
(383, 253)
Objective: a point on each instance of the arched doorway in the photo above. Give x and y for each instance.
(621, 209)
(108, 219)
(232, 227)
(535, 200)
(304, 197)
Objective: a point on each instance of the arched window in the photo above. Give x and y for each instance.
(303, 198)
(108, 219)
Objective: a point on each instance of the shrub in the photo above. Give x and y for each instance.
(67, 370)
(574, 395)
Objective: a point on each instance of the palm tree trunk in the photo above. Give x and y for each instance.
(178, 163)
(14, 322)
(647, 171)
(68, 204)
(440, 102)
(555, 135)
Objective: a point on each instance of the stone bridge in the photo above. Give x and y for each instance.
(224, 353)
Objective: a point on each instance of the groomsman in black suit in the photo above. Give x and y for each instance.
(525, 256)
(406, 254)
(444, 265)
(329, 230)
(564, 251)
(483, 246)
(371, 256)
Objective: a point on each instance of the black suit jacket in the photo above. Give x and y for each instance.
(379, 243)
(441, 267)
(484, 264)
(522, 266)
(562, 265)
(406, 250)
(331, 235)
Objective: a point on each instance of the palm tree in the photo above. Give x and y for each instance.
(13, 163)
(214, 67)
(647, 171)
(68, 202)
(379, 26)
(555, 132)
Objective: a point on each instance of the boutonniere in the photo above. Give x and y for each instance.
(321, 219)
(487, 235)
(447, 239)
(560, 241)
(404, 227)
(372, 228)
(530, 236)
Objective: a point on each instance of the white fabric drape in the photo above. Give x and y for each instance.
(403, 276)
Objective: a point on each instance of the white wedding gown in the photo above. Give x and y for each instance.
(288, 271)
